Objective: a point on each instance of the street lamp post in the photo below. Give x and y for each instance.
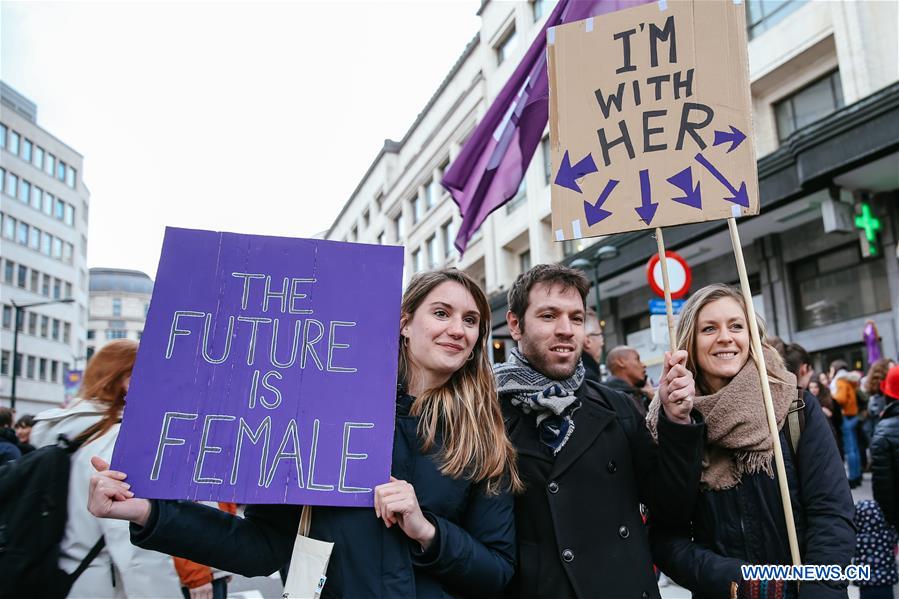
(606, 252)
(17, 322)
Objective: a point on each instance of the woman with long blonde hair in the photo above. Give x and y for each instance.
(738, 518)
(442, 525)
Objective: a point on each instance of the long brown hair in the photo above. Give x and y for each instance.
(876, 374)
(104, 380)
(689, 320)
(465, 410)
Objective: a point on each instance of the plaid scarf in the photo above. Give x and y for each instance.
(530, 391)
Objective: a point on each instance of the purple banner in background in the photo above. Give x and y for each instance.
(266, 372)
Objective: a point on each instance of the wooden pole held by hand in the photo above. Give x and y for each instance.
(766, 391)
(669, 311)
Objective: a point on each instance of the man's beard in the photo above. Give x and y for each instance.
(540, 363)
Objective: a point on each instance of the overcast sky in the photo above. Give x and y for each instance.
(236, 116)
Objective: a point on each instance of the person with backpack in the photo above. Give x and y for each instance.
(738, 518)
(119, 569)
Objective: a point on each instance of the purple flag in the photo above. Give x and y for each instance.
(491, 165)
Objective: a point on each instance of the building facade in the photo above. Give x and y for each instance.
(43, 234)
(119, 300)
(825, 86)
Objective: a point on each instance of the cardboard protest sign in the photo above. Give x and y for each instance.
(649, 114)
(266, 372)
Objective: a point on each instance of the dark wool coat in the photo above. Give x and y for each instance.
(885, 462)
(473, 554)
(580, 533)
(746, 525)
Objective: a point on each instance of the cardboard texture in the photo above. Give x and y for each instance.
(651, 119)
(266, 372)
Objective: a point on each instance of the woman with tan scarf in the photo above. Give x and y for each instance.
(738, 517)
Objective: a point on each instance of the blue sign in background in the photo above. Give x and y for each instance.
(657, 306)
(266, 372)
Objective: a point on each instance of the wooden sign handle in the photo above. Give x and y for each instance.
(669, 311)
(766, 392)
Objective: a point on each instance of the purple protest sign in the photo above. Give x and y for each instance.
(266, 372)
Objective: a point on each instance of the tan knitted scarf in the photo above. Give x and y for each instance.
(738, 441)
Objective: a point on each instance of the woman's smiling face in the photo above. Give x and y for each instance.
(722, 342)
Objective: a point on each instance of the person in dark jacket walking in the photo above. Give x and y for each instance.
(628, 375)
(585, 456)
(9, 443)
(885, 450)
(738, 519)
(442, 526)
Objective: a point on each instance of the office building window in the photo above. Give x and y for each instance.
(70, 177)
(116, 306)
(524, 261)
(36, 195)
(54, 370)
(8, 272)
(839, 285)
(449, 238)
(57, 288)
(116, 333)
(45, 285)
(13, 146)
(9, 227)
(7, 317)
(68, 290)
(67, 252)
(12, 184)
(429, 194)
(42, 369)
(761, 15)
(60, 170)
(54, 334)
(2, 178)
(27, 147)
(400, 226)
(46, 242)
(416, 209)
(546, 151)
(18, 360)
(38, 158)
(507, 45)
(416, 261)
(4, 362)
(4, 133)
(69, 214)
(22, 234)
(22, 279)
(24, 191)
(29, 370)
(542, 7)
(433, 256)
(66, 332)
(49, 164)
(520, 196)
(60, 209)
(57, 248)
(35, 277)
(808, 105)
(34, 238)
(49, 201)
(91, 333)
(32, 324)
(45, 326)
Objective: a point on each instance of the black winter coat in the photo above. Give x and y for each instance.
(746, 525)
(580, 532)
(885, 462)
(472, 555)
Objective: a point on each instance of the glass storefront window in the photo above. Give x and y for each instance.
(838, 286)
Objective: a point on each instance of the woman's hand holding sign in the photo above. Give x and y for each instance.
(396, 503)
(676, 387)
(110, 496)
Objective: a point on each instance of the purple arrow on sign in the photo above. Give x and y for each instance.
(740, 196)
(647, 209)
(594, 212)
(684, 181)
(735, 137)
(568, 175)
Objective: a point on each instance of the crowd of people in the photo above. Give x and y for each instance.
(562, 472)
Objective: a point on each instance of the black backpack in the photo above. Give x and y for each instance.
(34, 492)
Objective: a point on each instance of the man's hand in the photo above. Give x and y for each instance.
(396, 503)
(676, 388)
(110, 497)
(202, 592)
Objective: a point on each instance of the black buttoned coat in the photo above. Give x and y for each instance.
(580, 531)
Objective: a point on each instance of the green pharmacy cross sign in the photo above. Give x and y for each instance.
(869, 225)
